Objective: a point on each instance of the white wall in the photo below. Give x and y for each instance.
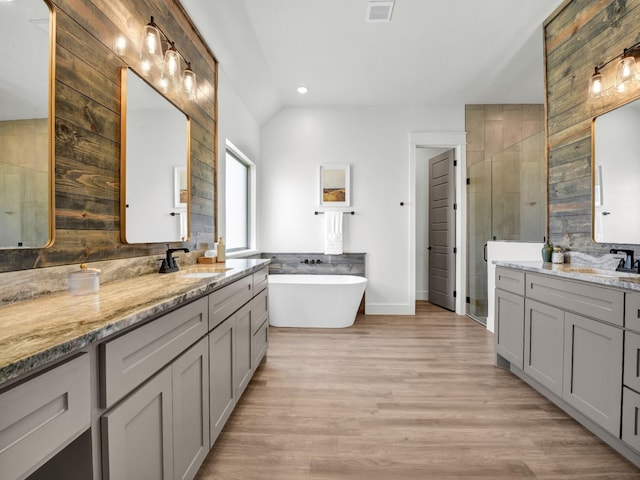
(375, 141)
(240, 127)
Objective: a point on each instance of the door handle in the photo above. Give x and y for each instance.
(485, 252)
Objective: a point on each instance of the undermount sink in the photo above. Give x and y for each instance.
(592, 271)
(201, 274)
(204, 272)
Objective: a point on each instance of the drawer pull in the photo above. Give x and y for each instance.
(635, 423)
(638, 363)
(639, 313)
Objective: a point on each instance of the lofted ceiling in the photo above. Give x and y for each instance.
(433, 52)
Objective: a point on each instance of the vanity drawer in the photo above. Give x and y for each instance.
(42, 415)
(632, 360)
(260, 344)
(260, 280)
(223, 302)
(632, 311)
(510, 280)
(631, 418)
(591, 300)
(259, 310)
(130, 359)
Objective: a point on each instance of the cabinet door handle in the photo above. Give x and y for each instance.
(639, 313)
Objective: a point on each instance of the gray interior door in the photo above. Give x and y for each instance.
(442, 235)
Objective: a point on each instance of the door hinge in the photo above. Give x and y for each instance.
(455, 206)
(455, 163)
(468, 181)
(455, 294)
(468, 300)
(455, 249)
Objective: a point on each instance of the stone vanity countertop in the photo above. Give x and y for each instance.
(36, 332)
(611, 278)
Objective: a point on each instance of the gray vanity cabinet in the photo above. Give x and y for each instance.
(632, 312)
(42, 415)
(137, 435)
(544, 344)
(161, 430)
(574, 336)
(243, 361)
(509, 336)
(593, 370)
(632, 360)
(230, 364)
(190, 410)
(234, 343)
(631, 418)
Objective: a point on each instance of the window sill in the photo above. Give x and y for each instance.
(242, 253)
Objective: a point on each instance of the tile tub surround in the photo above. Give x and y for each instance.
(36, 332)
(292, 263)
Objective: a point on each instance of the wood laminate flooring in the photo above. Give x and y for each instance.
(400, 397)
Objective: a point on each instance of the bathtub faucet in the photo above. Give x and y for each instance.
(312, 262)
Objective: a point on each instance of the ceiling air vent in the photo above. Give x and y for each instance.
(378, 12)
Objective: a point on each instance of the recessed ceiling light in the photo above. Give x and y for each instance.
(302, 89)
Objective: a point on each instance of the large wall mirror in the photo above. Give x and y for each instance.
(616, 175)
(155, 165)
(27, 40)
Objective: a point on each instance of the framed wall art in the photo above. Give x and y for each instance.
(335, 185)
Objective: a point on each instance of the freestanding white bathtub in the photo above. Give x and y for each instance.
(315, 301)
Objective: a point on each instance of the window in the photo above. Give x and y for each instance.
(240, 203)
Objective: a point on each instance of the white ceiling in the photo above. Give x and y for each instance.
(433, 52)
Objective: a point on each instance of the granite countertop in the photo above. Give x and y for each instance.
(611, 278)
(36, 332)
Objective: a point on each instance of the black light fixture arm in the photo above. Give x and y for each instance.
(626, 52)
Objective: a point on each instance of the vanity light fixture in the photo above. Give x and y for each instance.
(169, 62)
(626, 76)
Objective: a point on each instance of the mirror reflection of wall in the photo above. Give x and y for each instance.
(616, 153)
(25, 174)
(155, 152)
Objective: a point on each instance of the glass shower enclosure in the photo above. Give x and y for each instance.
(506, 200)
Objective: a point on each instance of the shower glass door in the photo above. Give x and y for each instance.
(506, 201)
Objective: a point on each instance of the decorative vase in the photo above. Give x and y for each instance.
(547, 250)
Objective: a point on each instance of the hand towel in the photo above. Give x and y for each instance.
(333, 233)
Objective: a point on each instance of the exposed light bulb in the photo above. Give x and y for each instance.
(189, 82)
(151, 43)
(595, 84)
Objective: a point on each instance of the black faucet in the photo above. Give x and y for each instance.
(169, 263)
(627, 264)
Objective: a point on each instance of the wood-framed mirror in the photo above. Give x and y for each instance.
(616, 175)
(27, 47)
(155, 170)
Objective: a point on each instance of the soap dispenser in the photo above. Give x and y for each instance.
(221, 250)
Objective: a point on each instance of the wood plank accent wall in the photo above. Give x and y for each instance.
(578, 36)
(87, 130)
